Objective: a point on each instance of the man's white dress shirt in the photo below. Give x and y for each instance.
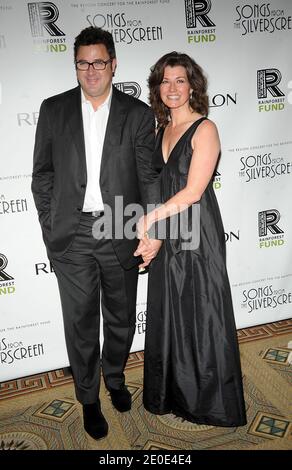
(94, 125)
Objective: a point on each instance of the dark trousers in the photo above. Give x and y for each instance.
(89, 267)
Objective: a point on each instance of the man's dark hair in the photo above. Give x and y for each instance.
(92, 35)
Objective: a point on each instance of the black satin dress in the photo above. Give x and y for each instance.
(192, 364)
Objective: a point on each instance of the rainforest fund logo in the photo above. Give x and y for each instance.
(270, 95)
(7, 283)
(271, 234)
(217, 183)
(45, 29)
(200, 24)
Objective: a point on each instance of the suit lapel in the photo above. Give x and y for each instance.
(116, 119)
(75, 122)
(114, 133)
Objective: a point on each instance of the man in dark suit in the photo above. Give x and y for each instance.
(93, 146)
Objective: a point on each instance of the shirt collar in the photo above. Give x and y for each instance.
(107, 101)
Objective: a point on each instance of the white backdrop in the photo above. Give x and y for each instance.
(244, 47)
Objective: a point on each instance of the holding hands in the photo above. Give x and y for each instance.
(147, 248)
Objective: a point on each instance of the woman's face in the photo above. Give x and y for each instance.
(175, 88)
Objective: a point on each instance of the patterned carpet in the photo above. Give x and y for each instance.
(40, 412)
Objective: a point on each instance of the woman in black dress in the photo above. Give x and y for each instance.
(192, 364)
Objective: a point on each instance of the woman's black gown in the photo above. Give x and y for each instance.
(192, 364)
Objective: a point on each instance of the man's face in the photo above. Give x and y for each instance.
(96, 84)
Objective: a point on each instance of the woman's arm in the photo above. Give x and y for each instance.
(206, 148)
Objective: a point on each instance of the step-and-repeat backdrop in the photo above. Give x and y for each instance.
(244, 47)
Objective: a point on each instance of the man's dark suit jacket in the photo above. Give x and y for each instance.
(59, 171)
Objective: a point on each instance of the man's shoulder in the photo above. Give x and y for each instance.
(64, 96)
(129, 100)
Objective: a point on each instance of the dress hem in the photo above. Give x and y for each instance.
(196, 420)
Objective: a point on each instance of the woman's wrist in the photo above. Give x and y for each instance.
(151, 218)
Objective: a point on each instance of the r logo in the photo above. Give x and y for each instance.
(131, 88)
(267, 221)
(44, 15)
(197, 10)
(3, 263)
(268, 79)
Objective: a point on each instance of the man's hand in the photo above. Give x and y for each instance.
(148, 249)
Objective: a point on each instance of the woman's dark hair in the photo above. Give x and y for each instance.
(92, 35)
(198, 82)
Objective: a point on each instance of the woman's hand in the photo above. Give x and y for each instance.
(148, 249)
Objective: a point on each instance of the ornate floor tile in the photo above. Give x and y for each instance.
(57, 410)
(277, 355)
(270, 426)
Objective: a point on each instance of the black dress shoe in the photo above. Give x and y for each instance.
(121, 398)
(94, 421)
